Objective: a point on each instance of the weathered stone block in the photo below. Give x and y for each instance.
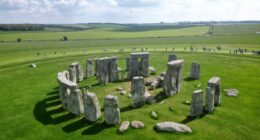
(209, 105)
(173, 77)
(195, 71)
(111, 110)
(91, 107)
(214, 82)
(196, 107)
(138, 91)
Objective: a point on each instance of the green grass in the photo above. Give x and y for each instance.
(30, 107)
(104, 34)
(236, 29)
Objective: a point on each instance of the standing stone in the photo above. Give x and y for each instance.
(103, 71)
(196, 107)
(139, 64)
(91, 107)
(113, 70)
(89, 71)
(172, 57)
(214, 82)
(173, 77)
(122, 73)
(107, 70)
(209, 105)
(144, 66)
(79, 70)
(111, 110)
(134, 68)
(65, 86)
(75, 103)
(195, 71)
(73, 76)
(138, 91)
(127, 63)
(96, 66)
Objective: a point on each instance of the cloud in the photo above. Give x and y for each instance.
(74, 11)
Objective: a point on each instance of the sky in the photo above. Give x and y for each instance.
(126, 11)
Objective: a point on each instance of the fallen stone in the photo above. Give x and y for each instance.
(119, 89)
(186, 102)
(154, 115)
(33, 65)
(123, 92)
(152, 70)
(137, 124)
(123, 127)
(163, 74)
(172, 127)
(171, 108)
(150, 80)
(231, 92)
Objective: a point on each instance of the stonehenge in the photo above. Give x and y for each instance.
(195, 71)
(91, 107)
(111, 110)
(196, 107)
(139, 64)
(107, 70)
(214, 83)
(173, 77)
(138, 91)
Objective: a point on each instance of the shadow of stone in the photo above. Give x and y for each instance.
(77, 125)
(45, 117)
(95, 129)
(160, 97)
(188, 119)
(189, 79)
(53, 92)
(95, 85)
(127, 108)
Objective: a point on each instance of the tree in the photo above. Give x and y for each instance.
(19, 40)
(65, 38)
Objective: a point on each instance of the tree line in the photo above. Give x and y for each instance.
(21, 27)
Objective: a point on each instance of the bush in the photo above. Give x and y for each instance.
(19, 40)
(65, 38)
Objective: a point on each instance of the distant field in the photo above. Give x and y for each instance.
(104, 34)
(236, 29)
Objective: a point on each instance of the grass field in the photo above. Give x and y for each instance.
(29, 97)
